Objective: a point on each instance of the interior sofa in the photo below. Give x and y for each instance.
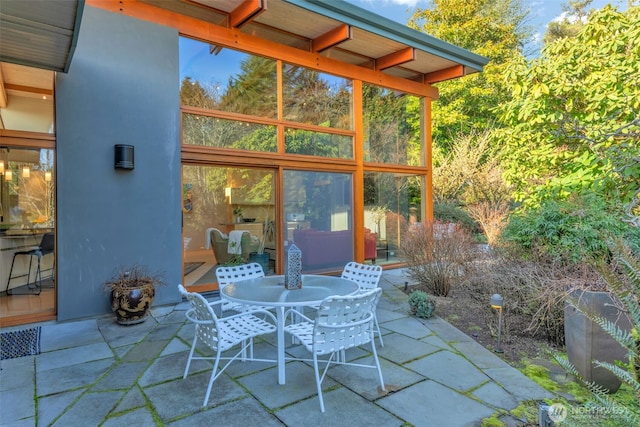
(324, 248)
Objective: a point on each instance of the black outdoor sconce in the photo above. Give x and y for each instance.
(123, 157)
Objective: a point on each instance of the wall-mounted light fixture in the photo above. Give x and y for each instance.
(47, 176)
(1, 166)
(123, 157)
(8, 175)
(497, 302)
(26, 172)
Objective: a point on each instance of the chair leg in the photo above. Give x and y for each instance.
(193, 347)
(375, 319)
(212, 378)
(10, 273)
(318, 382)
(375, 357)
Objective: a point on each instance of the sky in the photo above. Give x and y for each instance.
(541, 11)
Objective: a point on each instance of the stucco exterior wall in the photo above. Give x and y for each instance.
(122, 88)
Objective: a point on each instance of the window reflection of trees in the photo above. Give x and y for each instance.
(391, 126)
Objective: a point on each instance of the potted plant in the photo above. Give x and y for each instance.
(260, 256)
(132, 290)
(237, 211)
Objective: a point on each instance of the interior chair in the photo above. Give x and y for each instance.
(220, 245)
(341, 323)
(46, 247)
(227, 275)
(221, 335)
(367, 277)
(370, 245)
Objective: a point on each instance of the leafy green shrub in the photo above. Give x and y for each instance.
(422, 304)
(567, 230)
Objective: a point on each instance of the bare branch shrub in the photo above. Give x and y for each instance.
(535, 291)
(492, 216)
(436, 254)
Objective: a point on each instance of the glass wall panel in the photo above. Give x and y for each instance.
(27, 212)
(392, 204)
(227, 80)
(318, 218)
(317, 98)
(228, 218)
(318, 144)
(391, 127)
(221, 133)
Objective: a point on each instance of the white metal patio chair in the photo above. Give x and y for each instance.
(223, 334)
(341, 323)
(230, 274)
(367, 277)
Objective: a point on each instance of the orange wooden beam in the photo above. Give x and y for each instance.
(446, 74)
(30, 89)
(235, 39)
(396, 58)
(247, 11)
(331, 38)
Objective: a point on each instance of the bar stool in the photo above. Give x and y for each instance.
(46, 247)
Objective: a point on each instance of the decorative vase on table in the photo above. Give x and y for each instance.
(293, 267)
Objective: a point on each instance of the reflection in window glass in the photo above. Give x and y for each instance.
(26, 189)
(316, 98)
(318, 144)
(227, 80)
(218, 200)
(318, 218)
(392, 203)
(391, 127)
(221, 133)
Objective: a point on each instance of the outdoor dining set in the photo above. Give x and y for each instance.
(339, 315)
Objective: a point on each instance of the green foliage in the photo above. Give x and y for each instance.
(422, 304)
(565, 27)
(452, 212)
(492, 28)
(567, 230)
(571, 123)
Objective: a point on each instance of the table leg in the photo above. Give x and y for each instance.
(280, 332)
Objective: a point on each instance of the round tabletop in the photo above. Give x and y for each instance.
(270, 290)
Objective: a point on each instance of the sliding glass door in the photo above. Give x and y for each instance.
(228, 218)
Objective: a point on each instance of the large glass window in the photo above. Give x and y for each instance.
(392, 204)
(221, 133)
(27, 212)
(318, 144)
(223, 205)
(316, 98)
(391, 123)
(227, 80)
(318, 218)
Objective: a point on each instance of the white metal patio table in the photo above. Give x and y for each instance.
(269, 291)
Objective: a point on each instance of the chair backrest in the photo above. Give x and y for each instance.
(203, 316)
(365, 275)
(226, 275)
(47, 243)
(343, 322)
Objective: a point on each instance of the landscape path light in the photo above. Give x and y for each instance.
(497, 302)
